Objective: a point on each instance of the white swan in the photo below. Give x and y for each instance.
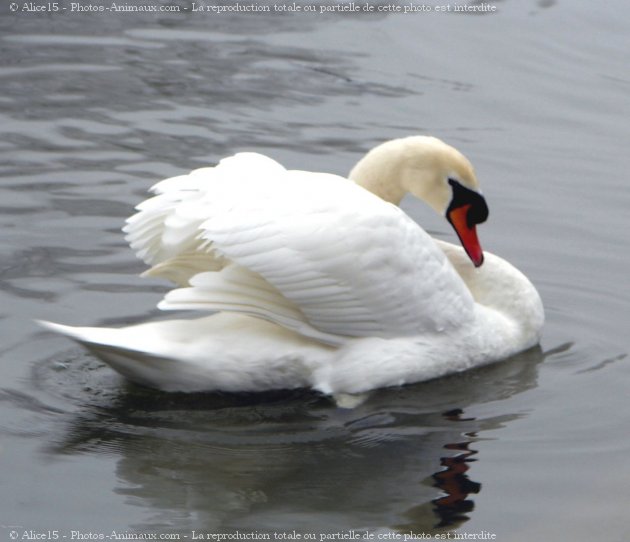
(320, 281)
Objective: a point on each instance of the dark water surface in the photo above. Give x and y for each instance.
(94, 108)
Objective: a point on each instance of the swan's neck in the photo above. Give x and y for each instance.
(380, 180)
(413, 165)
(503, 289)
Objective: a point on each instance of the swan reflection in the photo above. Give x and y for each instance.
(402, 461)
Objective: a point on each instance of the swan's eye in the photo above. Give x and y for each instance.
(462, 196)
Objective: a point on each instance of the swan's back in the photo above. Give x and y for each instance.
(332, 255)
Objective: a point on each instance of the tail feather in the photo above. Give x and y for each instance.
(144, 368)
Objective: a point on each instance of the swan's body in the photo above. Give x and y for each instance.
(319, 281)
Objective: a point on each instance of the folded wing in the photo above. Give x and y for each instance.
(310, 251)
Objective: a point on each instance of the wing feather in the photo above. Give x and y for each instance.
(354, 264)
(236, 289)
(313, 252)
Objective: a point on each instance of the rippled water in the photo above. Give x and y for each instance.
(95, 108)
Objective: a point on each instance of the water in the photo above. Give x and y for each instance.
(95, 108)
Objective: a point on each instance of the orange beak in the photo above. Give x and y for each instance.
(467, 234)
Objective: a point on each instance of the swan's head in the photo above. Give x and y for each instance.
(434, 172)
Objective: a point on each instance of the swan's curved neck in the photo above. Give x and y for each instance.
(380, 178)
(501, 288)
(418, 165)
